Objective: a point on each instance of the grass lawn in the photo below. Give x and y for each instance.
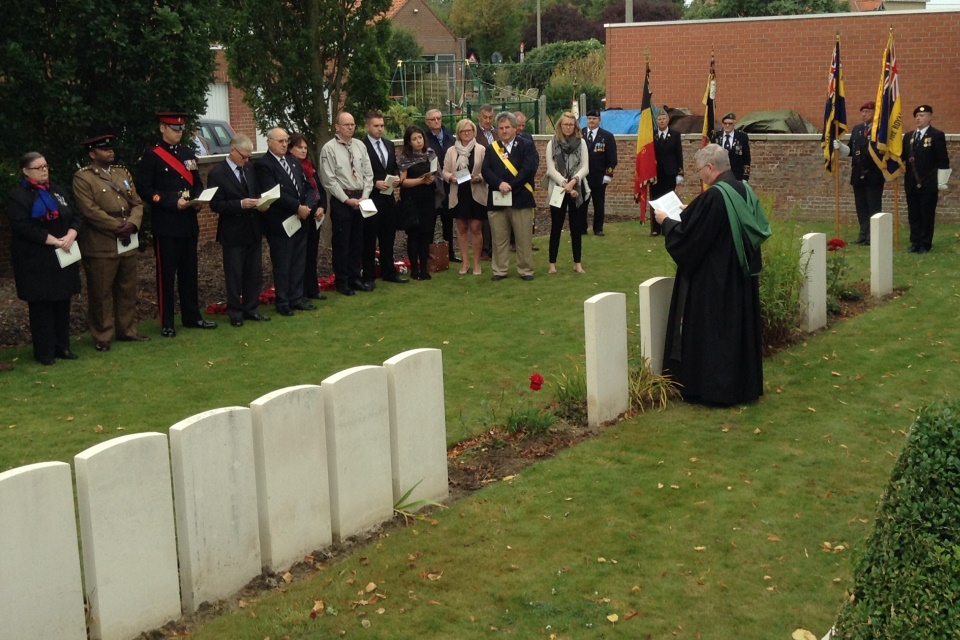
(687, 523)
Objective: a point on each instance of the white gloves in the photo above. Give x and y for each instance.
(679, 179)
(942, 176)
(607, 179)
(844, 149)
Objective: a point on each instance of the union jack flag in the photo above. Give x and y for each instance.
(887, 132)
(835, 112)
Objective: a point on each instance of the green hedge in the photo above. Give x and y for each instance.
(907, 579)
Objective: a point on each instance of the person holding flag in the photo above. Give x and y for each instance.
(865, 175)
(646, 171)
(834, 126)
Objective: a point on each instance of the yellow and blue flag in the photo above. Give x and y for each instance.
(835, 112)
(887, 132)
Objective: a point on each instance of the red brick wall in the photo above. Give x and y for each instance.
(783, 63)
(432, 35)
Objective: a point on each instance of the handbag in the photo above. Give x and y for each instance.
(439, 259)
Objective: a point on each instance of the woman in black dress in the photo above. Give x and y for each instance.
(317, 201)
(468, 199)
(420, 191)
(41, 222)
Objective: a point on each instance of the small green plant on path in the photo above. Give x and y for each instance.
(409, 508)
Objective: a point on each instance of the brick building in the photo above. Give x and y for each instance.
(782, 63)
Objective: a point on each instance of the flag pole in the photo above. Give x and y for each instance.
(835, 161)
(896, 214)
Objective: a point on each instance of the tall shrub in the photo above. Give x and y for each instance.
(907, 579)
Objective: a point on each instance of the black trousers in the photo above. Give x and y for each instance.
(868, 200)
(243, 275)
(287, 253)
(921, 211)
(379, 229)
(310, 285)
(578, 226)
(49, 328)
(177, 258)
(598, 193)
(347, 242)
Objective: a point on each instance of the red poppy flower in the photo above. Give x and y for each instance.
(835, 243)
(536, 381)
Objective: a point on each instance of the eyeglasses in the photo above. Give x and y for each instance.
(242, 154)
(42, 167)
(281, 140)
(435, 118)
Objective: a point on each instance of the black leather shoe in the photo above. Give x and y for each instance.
(256, 317)
(426, 276)
(168, 332)
(303, 306)
(47, 361)
(600, 233)
(236, 322)
(913, 249)
(66, 354)
(346, 291)
(455, 259)
(370, 283)
(536, 248)
(285, 311)
(201, 324)
(395, 277)
(102, 345)
(498, 278)
(526, 278)
(133, 338)
(360, 285)
(317, 296)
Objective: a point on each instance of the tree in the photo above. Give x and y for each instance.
(403, 45)
(295, 59)
(643, 11)
(492, 25)
(703, 9)
(71, 67)
(560, 23)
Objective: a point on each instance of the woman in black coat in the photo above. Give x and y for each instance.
(41, 222)
(420, 191)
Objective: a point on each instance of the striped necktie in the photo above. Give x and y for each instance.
(289, 170)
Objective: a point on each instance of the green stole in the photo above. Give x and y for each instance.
(747, 218)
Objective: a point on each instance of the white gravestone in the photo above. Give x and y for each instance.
(813, 289)
(655, 297)
(605, 328)
(881, 255)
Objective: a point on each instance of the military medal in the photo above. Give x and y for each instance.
(185, 194)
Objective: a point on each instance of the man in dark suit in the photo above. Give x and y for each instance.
(602, 155)
(381, 227)
(168, 178)
(239, 230)
(737, 144)
(287, 252)
(928, 169)
(510, 167)
(668, 150)
(440, 138)
(865, 174)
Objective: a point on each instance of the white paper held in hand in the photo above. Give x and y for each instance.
(669, 204)
(368, 208)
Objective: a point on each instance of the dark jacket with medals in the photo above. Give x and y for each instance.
(161, 185)
(864, 171)
(36, 270)
(922, 160)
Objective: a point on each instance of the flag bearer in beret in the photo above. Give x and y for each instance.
(168, 179)
(865, 174)
(112, 213)
(928, 169)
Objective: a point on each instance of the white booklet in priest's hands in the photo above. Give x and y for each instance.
(392, 182)
(204, 197)
(669, 204)
(502, 199)
(68, 257)
(267, 198)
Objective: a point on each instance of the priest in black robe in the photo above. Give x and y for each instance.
(714, 343)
